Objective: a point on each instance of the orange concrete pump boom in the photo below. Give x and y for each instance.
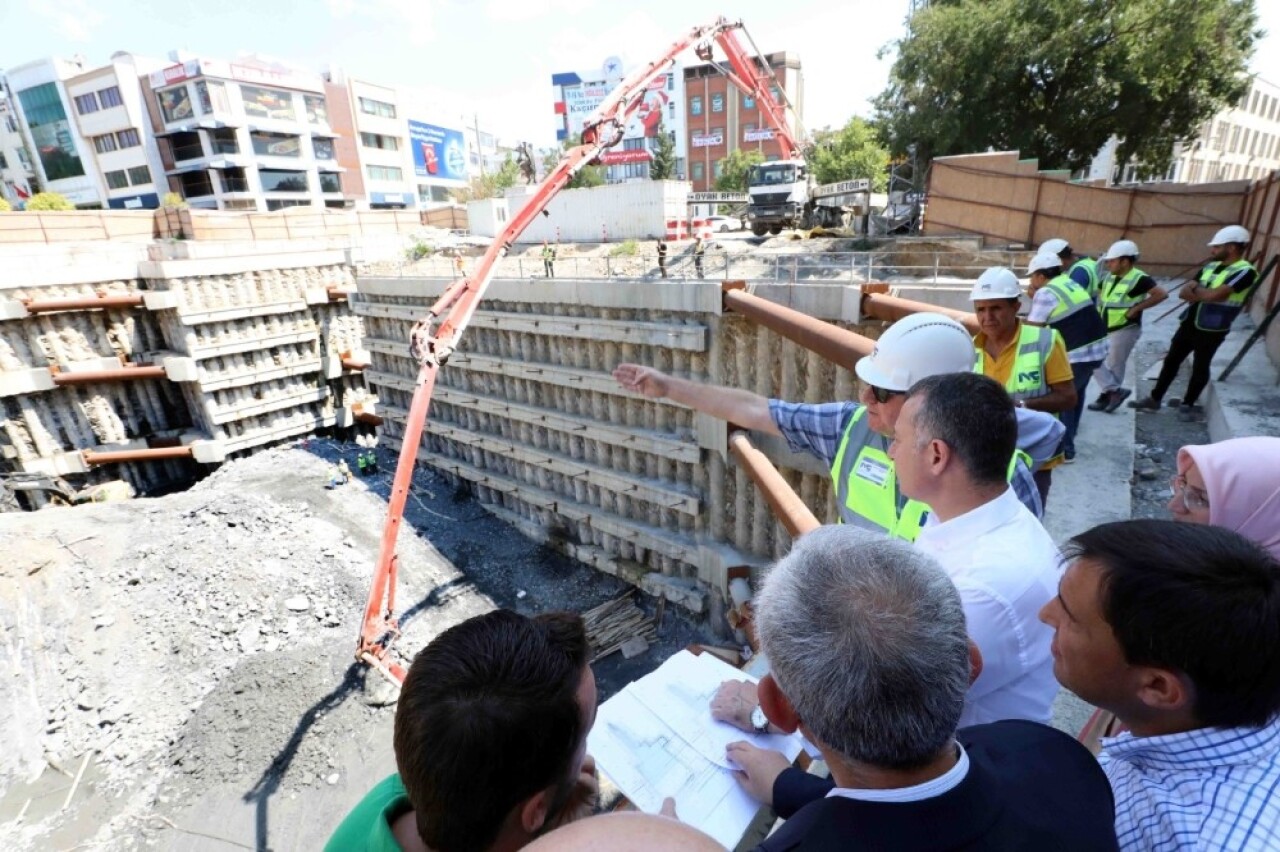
(431, 344)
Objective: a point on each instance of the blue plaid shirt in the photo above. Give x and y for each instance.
(1215, 788)
(817, 430)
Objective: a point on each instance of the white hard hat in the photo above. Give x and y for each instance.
(996, 283)
(1230, 234)
(1044, 260)
(1057, 245)
(914, 348)
(1121, 248)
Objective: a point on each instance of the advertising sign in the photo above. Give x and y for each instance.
(438, 152)
(762, 135)
(268, 103)
(708, 140)
(630, 155)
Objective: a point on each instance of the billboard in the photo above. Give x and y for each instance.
(438, 152)
(580, 95)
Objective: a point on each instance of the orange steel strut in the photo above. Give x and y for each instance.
(432, 345)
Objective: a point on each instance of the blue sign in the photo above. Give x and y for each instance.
(438, 152)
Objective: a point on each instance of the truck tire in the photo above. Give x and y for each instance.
(759, 230)
(775, 229)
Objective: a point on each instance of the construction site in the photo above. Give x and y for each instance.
(206, 568)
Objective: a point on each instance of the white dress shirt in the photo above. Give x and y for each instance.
(1006, 567)
(944, 783)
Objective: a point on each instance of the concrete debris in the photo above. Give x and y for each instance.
(297, 603)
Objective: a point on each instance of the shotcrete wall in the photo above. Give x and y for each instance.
(527, 414)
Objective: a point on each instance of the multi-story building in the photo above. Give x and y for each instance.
(64, 160)
(720, 118)
(577, 95)
(246, 135)
(17, 170)
(1241, 142)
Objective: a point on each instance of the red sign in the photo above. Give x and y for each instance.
(630, 155)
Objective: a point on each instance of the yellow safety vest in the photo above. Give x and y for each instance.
(1218, 316)
(1074, 316)
(1116, 299)
(1027, 379)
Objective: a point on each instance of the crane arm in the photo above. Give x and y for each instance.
(431, 345)
(751, 74)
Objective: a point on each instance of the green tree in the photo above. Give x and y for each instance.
(5, 206)
(851, 152)
(589, 176)
(1055, 79)
(491, 184)
(736, 168)
(663, 165)
(49, 201)
(173, 201)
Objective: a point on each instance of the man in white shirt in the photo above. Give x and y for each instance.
(949, 448)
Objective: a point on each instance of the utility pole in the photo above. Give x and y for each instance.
(479, 147)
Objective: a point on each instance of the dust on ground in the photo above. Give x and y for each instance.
(200, 645)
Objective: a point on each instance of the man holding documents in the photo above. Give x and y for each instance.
(868, 645)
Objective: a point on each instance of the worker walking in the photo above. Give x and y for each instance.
(360, 464)
(548, 259)
(1124, 294)
(1058, 301)
(699, 248)
(1082, 270)
(662, 257)
(1214, 300)
(1030, 361)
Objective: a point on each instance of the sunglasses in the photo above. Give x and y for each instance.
(1193, 500)
(882, 395)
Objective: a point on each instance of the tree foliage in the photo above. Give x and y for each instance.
(49, 201)
(1055, 79)
(491, 184)
(588, 176)
(663, 165)
(5, 206)
(851, 152)
(736, 168)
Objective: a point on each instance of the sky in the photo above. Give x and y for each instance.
(490, 59)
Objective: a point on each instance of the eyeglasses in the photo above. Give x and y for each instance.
(883, 395)
(1193, 499)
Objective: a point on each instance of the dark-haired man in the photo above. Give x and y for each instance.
(1175, 628)
(490, 741)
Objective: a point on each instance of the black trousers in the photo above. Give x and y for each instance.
(1201, 346)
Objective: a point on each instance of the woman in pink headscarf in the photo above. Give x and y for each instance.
(1233, 484)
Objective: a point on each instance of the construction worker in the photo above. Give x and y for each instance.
(1124, 294)
(1062, 304)
(1030, 361)
(548, 260)
(699, 248)
(1214, 300)
(852, 439)
(335, 477)
(371, 460)
(662, 257)
(343, 471)
(460, 265)
(1082, 270)
(360, 464)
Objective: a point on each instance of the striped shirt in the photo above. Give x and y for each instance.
(1042, 304)
(1213, 788)
(817, 430)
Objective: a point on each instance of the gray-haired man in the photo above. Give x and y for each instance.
(867, 642)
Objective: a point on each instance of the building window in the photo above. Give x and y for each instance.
(278, 180)
(50, 131)
(695, 105)
(379, 140)
(748, 102)
(384, 173)
(110, 97)
(268, 103)
(776, 93)
(322, 147)
(697, 171)
(4, 164)
(317, 109)
(186, 146)
(117, 179)
(330, 182)
(212, 97)
(195, 184)
(11, 123)
(281, 203)
(379, 108)
(128, 138)
(139, 175)
(276, 144)
(234, 180)
(717, 102)
(175, 103)
(104, 144)
(717, 168)
(86, 104)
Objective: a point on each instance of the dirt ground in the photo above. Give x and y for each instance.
(194, 652)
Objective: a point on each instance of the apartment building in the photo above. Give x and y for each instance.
(720, 118)
(17, 170)
(576, 95)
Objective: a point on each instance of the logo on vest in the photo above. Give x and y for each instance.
(872, 470)
(1029, 377)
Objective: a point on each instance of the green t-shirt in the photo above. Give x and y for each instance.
(368, 827)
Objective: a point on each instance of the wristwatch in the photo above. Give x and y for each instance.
(759, 721)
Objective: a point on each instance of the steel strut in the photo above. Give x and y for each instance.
(431, 346)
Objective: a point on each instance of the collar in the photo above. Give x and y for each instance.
(1204, 748)
(974, 523)
(930, 789)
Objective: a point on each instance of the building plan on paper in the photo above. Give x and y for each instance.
(656, 738)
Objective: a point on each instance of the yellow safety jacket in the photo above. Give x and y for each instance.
(1218, 316)
(1116, 299)
(1027, 379)
(1074, 316)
